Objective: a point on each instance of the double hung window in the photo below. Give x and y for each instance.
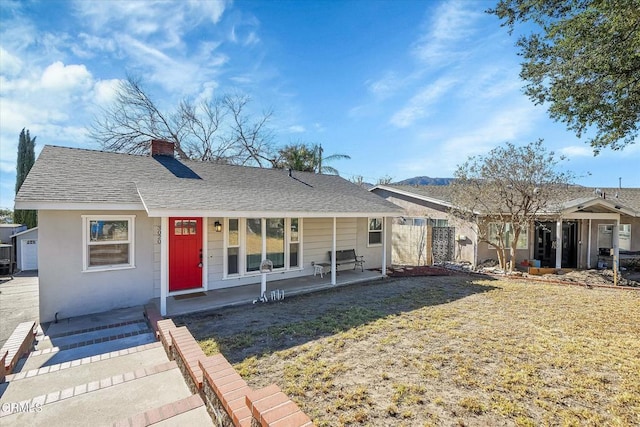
(108, 242)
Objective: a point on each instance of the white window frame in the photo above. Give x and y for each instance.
(369, 231)
(131, 231)
(605, 232)
(524, 231)
(242, 247)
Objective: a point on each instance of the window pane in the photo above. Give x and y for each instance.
(293, 255)
(232, 261)
(375, 237)
(624, 237)
(375, 224)
(108, 230)
(233, 232)
(254, 243)
(192, 227)
(108, 254)
(294, 230)
(177, 228)
(275, 241)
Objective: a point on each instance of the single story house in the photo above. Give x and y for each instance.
(116, 230)
(26, 247)
(585, 226)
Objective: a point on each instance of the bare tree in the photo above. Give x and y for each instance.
(252, 139)
(219, 129)
(503, 192)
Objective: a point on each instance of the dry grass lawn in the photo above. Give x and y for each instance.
(442, 351)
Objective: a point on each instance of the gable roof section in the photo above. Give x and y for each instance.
(567, 199)
(70, 178)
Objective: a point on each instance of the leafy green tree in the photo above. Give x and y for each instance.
(6, 216)
(307, 158)
(583, 60)
(26, 159)
(509, 187)
(299, 157)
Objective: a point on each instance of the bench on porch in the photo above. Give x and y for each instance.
(348, 256)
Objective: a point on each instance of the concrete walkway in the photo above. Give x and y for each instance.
(18, 302)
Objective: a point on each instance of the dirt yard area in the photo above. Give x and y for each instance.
(442, 350)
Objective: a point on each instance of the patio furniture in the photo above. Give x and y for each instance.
(318, 268)
(348, 256)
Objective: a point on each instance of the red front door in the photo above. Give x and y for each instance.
(185, 253)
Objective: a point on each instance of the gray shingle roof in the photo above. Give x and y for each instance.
(564, 195)
(69, 175)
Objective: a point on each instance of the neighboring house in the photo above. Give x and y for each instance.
(116, 230)
(7, 248)
(8, 230)
(26, 248)
(582, 229)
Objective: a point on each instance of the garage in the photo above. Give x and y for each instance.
(26, 244)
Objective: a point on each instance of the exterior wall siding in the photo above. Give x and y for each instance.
(317, 237)
(67, 290)
(465, 250)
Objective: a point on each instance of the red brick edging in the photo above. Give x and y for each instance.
(19, 343)
(229, 400)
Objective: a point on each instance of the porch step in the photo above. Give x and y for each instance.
(54, 356)
(21, 386)
(189, 411)
(105, 401)
(81, 339)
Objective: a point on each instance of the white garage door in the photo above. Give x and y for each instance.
(29, 254)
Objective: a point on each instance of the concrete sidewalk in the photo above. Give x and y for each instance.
(18, 302)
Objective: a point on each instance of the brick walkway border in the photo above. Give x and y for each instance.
(229, 400)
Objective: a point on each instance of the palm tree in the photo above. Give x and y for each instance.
(323, 168)
(307, 158)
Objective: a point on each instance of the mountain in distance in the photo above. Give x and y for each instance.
(424, 180)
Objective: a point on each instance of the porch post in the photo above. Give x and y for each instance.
(616, 245)
(333, 254)
(559, 243)
(589, 246)
(164, 264)
(384, 246)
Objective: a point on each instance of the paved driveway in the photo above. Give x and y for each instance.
(18, 302)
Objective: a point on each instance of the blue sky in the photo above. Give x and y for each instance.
(404, 87)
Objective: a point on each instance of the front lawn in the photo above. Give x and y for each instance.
(441, 351)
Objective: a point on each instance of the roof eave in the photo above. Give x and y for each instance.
(77, 206)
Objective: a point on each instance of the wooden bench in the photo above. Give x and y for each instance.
(348, 256)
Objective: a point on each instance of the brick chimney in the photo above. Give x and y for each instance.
(161, 148)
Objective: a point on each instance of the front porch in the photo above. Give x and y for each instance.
(246, 294)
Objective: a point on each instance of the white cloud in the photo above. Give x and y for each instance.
(60, 77)
(417, 107)
(576, 151)
(453, 22)
(296, 129)
(11, 65)
(105, 91)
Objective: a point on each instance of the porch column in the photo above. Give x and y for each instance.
(616, 245)
(164, 264)
(333, 253)
(559, 243)
(384, 246)
(589, 246)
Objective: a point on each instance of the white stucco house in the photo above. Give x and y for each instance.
(116, 230)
